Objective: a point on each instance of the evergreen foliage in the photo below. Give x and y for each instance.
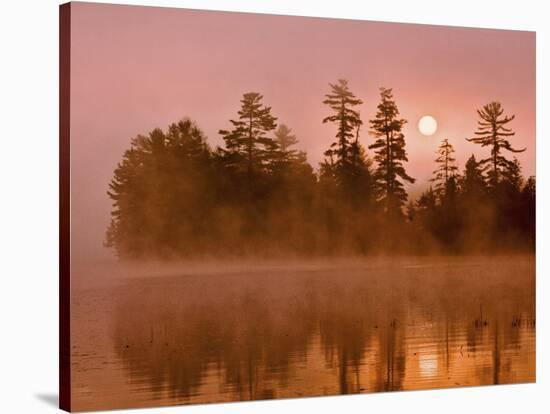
(175, 196)
(389, 148)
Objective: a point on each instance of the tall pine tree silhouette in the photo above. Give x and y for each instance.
(341, 153)
(247, 146)
(390, 153)
(492, 131)
(446, 167)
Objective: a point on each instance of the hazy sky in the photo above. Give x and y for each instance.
(137, 68)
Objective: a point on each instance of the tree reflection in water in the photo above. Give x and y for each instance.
(267, 334)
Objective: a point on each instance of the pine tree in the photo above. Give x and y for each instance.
(137, 190)
(187, 140)
(493, 131)
(161, 192)
(528, 208)
(247, 148)
(472, 183)
(361, 165)
(476, 210)
(328, 169)
(446, 168)
(390, 153)
(289, 161)
(511, 175)
(451, 190)
(529, 189)
(286, 140)
(342, 102)
(357, 151)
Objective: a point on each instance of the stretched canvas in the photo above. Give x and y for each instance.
(258, 206)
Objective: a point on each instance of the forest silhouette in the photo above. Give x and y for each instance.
(174, 196)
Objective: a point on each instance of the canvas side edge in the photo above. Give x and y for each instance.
(64, 207)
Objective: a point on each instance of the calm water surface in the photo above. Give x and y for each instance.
(227, 333)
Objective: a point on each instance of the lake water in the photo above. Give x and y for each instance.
(150, 336)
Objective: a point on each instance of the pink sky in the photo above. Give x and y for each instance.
(136, 68)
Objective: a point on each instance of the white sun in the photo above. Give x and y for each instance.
(427, 125)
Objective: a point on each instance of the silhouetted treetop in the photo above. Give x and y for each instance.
(246, 145)
(286, 140)
(446, 167)
(493, 131)
(161, 177)
(472, 182)
(342, 102)
(389, 148)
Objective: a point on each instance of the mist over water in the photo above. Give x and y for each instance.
(149, 335)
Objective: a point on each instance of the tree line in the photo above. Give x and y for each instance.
(175, 196)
